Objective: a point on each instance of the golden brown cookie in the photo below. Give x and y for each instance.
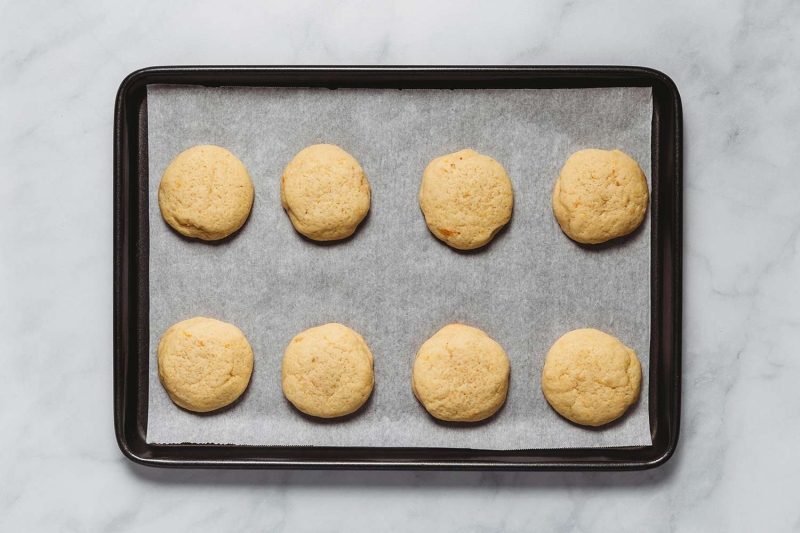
(466, 198)
(327, 371)
(600, 195)
(205, 192)
(204, 364)
(325, 193)
(461, 374)
(590, 377)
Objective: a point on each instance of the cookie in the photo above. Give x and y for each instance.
(590, 377)
(325, 193)
(204, 364)
(461, 374)
(206, 193)
(327, 371)
(600, 195)
(466, 198)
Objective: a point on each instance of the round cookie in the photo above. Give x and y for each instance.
(600, 195)
(590, 377)
(204, 364)
(466, 198)
(205, 192)
(325, 193)
(327, 371)
(461, 374)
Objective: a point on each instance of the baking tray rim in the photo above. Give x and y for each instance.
(441, 77)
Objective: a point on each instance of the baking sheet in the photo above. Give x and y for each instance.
(393, 281)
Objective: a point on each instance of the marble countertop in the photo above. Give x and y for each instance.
(737, 65)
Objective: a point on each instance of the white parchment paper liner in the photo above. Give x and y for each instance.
(393, 281)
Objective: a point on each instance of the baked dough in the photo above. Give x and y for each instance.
(327, 371)
(466, 198)
(205, 192)
(204, 364)
(325, 193)
(600, 195)
(590, 377)
(461, 374)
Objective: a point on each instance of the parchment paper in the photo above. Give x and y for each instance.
(393, 281)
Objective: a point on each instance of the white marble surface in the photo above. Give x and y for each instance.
(737, 65)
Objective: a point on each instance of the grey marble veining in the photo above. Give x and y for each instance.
(737, 65)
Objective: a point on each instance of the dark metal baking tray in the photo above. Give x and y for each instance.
(131, 245)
